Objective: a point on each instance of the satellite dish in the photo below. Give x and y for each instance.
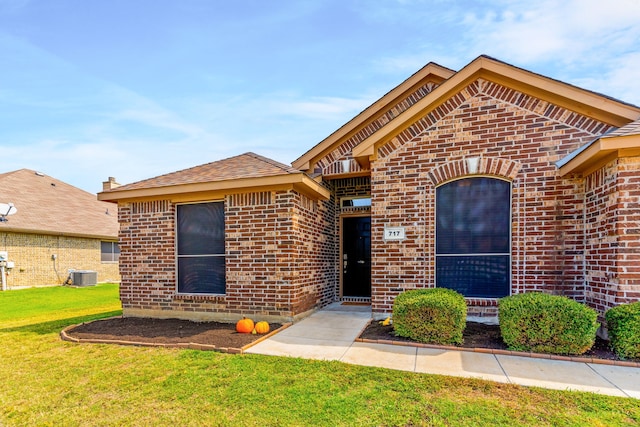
(6, 209)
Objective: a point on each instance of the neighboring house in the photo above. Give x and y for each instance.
(491, 180)
(57, 228)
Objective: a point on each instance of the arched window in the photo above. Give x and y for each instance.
(473, 237)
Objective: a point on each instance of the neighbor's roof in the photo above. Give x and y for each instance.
(240, 173)
(46, 205)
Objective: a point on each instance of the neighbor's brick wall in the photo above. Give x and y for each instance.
(277, 246)
(35, 267)
(517, 137)
(612, 234)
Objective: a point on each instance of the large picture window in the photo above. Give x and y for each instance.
(473, 235)
(201, 248)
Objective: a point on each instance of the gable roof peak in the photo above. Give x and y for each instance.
(432, 74)
(242, 166)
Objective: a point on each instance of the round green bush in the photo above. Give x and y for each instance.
(546, 323)
(434, 316)
(623, 325)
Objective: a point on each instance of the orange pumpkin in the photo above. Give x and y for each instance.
(244, 326)
(262, 327)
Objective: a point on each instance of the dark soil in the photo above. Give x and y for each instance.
(164, 331)
(224, 335)
(479, 335)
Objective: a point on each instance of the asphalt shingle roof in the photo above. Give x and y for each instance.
(632, 128)
(247, 165)
(46, 205)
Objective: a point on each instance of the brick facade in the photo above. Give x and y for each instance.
(34, 266)
(612, 234)
(279, 252)
(571, 234)
(515, 137)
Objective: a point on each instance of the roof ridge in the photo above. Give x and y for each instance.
(286, 168)
(247, 165)
(43, 175)
(271, 162)
(4, 174)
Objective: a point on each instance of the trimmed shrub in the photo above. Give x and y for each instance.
(434, 316)
(623, 325)
(545, 323)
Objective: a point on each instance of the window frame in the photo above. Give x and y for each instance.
(115, 254)
(193, 256)
(509, 254)
(355, 204)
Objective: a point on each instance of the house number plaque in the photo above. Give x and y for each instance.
(393, 233)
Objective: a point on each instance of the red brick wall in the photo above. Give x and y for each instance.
(147, 260)
(313, 264)
(628, 228)
(279, 251)
(612, 234)
(516, 137)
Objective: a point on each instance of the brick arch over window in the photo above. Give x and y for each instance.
(474, 166)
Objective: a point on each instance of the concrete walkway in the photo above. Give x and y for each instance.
(329, 334)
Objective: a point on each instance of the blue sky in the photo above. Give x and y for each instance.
(138, 88)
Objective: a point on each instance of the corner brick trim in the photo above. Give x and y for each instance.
(486, 166)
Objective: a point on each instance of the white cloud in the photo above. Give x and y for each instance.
(620, 80)
(317, 108)
(529, 32)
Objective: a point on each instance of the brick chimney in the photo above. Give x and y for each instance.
(110, 184)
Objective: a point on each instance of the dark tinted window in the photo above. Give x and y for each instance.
(201, 248)
(473, 218)
(201, 229)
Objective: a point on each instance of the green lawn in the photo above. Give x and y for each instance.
(45, 381)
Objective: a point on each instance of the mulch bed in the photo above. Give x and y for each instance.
(164, 332)
(479, 335)
(223, 336)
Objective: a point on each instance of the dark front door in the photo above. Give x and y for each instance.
(356, 256)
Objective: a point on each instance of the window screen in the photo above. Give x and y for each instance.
(473, 217)
(201, 248)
